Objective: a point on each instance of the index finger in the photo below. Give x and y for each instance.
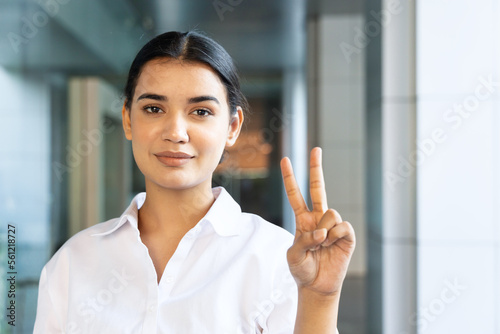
(295, 198)
(317, 182)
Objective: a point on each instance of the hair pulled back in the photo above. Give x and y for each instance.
(192, 47)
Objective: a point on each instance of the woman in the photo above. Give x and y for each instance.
(183, 258)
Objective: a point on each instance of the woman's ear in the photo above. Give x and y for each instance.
(127, 126)
(235, 127)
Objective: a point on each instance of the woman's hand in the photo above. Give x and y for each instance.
(323, 244)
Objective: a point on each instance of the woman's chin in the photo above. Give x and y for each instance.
(178, 183)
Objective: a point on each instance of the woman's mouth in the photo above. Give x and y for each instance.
(173, 159)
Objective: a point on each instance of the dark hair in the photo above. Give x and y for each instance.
(194, 47)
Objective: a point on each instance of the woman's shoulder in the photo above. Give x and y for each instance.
(110, 226)
(82, 241)
(262, 229)
(90, 232)
(228, 218)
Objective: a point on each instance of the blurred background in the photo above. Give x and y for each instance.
(401, 95)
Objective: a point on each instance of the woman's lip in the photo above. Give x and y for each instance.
(177, 155)
(173, 159)
(173, 162)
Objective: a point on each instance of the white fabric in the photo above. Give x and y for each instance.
(228, 275)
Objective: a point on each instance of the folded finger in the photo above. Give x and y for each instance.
(330, 218)
(308, 241)
(342, 230)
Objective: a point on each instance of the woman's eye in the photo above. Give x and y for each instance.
(152, 109)
(202, 112)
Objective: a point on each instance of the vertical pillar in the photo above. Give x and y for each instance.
(391, 132)
(295, 103)
(336, 86)
(458, 172)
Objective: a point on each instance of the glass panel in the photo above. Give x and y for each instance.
(64, 162)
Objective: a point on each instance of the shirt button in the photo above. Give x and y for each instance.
(152, 308)
(169, 279)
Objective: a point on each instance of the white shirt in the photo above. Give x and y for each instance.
(229, 274)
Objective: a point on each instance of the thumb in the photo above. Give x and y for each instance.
(307, 241)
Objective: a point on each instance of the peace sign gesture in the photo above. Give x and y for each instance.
(323, 244)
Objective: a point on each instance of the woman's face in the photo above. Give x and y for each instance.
(179, 123)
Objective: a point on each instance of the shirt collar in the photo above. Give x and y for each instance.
(129, 215)
(223, 214)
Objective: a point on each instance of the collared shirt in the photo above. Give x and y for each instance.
(229, 274)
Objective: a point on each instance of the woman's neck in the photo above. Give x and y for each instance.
(174, 211)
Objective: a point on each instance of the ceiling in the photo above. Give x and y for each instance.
(100, 37)
(261, 35)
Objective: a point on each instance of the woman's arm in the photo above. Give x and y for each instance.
(320, 254)
(316, 314)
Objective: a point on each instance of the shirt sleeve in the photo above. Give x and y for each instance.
(46, 319)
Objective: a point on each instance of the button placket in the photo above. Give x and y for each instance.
(176, 261)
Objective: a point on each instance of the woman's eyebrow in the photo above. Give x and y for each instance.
(152, 97)
(191, 100)
(202, 98)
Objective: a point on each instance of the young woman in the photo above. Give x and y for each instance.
(183, 258)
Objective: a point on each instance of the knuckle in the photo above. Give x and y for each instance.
(317, 184)
(314, 164)
(336, 214)
(292, 192)
(317, 203)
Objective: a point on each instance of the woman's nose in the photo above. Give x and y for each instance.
(175, 129)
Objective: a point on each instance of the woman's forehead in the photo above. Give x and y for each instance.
(178, 74)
